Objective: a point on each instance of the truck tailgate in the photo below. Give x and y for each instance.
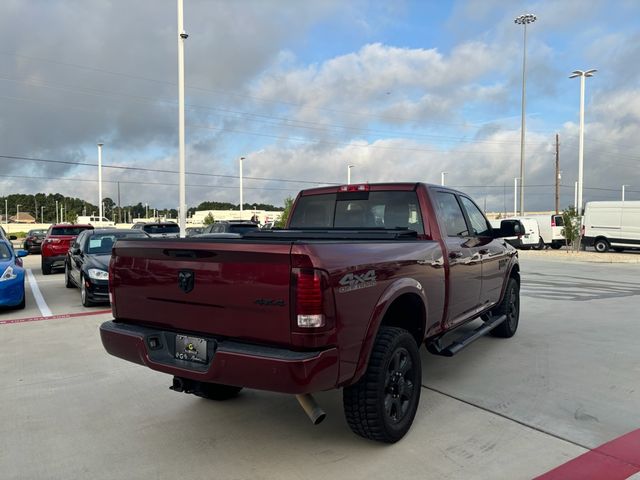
(234, 289)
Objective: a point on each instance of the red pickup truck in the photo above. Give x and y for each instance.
(343, 298)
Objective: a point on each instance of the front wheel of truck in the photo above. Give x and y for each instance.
(381, 406)
(510, 306)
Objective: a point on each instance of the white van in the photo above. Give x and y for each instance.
(531, 237)
(551, 227)
(95, 221)
(613, 225)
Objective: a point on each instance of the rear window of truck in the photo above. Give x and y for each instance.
(352, 210)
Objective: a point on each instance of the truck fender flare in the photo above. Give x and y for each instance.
(513, 266)
(395, 290)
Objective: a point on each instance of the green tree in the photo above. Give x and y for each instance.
(288, 203)
(571, 230)
(208, 220)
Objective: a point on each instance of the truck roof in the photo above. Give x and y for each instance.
(402, 186)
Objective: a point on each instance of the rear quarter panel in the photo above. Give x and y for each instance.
(362, 298)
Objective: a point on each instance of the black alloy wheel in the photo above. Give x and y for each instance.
(381, 405)
(510, 306)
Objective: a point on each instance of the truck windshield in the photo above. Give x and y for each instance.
(353, 210)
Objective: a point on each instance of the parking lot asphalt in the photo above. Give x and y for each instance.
(568, 382)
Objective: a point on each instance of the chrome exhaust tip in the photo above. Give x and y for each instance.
(311, 408)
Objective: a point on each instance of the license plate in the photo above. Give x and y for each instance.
(191, 349)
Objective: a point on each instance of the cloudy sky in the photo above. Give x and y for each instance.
(401, 90)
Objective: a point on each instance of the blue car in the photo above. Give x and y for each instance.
(11, 275)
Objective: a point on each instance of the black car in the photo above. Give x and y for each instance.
(232, 226)
(33, 241)
(87, 263)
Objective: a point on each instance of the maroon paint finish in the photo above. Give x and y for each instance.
(245, 291)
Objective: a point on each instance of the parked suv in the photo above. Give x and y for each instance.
(56, 245)
(161, 229)
(232, 226)
(34, 239)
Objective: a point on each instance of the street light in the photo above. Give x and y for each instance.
(182, 197)
(442, 175)
(349, 167)
(18, 213)
(100, 179)
(582, 75)
(241, 200)
(523, 20)
(623, 191)
(41, 214)
(515, 197)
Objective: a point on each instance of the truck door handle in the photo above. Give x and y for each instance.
(456, 254)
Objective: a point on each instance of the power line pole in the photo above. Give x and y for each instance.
(557, 172)
(119, 209)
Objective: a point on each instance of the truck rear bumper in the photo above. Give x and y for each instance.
(229, 362)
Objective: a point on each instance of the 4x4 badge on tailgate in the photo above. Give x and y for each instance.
(186, 280)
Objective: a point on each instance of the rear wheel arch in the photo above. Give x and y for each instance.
(405, 297)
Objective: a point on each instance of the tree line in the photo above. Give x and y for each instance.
(43, 206)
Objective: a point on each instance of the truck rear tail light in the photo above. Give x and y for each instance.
(309, 285)
(553, 222)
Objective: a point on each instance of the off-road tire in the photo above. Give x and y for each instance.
(391, 384)
(216, 391)
(510, 306)
(556, 246)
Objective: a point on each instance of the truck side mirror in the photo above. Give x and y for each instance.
(510, 228)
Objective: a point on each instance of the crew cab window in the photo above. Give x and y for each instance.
(451, 214)
(374, 210)
(479, 224)
(5, 253)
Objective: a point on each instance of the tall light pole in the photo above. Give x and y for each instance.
(442, 175)
(57, 221)
(182, 203)
(515, 197)
(100, 179)
(6, 214)
(349, 167)
(18, 213)
(524, 20)
(582, 75)
(575, 197)
(241, 198)
(41, 214)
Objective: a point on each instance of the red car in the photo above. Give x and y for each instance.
(56, 245)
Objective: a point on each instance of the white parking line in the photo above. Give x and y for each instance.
(42, 305)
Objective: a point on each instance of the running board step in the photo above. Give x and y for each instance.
(464, 341)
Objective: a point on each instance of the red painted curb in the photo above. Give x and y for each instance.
(53, 317)
(615, 460)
